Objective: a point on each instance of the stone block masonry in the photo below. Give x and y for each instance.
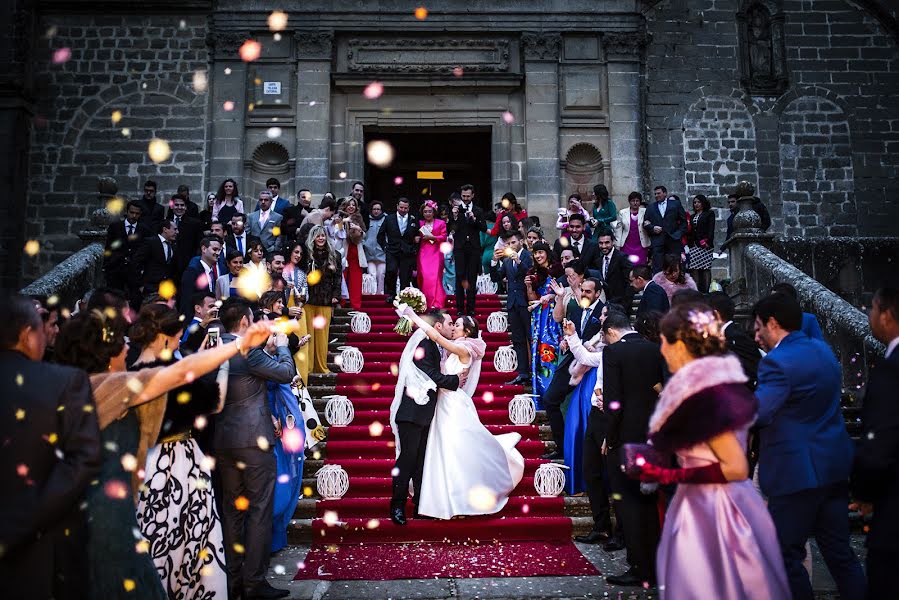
(139, 66)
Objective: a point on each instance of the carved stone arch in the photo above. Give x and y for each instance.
(116, 93)
(812, 90)
(816, 170)
(582, 168)
(676, 118)
(719, 147)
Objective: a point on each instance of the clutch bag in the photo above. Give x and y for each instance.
(634, 456)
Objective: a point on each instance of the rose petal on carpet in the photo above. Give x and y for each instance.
(424, 560)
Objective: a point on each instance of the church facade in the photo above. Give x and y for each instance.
(539, 98)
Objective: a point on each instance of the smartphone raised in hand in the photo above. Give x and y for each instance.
(212, 337)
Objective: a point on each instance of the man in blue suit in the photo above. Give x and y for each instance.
(805, 454)
(810, 326)
(512, 264)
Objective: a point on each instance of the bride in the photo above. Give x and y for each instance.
(467, 470)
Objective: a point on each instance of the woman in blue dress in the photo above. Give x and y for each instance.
(289, 446)
(545, 332)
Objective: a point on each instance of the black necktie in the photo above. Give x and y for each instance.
(168, 252)
(130, 229)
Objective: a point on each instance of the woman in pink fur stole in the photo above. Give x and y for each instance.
(718, 540)
(672, 277)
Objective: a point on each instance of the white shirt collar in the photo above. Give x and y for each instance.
(592, 307)
(726, 325)
(162, 239)
(892, 346)
(520, 250)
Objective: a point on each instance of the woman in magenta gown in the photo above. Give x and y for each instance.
(430, 256)
(718, 540)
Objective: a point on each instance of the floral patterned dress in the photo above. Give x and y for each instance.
(545, 336)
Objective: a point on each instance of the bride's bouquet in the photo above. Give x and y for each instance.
(415, 299)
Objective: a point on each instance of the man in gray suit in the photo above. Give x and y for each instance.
(262, 223)
(243, 440)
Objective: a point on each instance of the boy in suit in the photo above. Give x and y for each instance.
(512, 263)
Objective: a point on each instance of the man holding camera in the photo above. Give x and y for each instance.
(467, 222)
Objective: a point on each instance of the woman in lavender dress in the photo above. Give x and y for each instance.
(718, 540)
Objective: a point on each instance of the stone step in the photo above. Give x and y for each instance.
(299, 531)
(575, 506)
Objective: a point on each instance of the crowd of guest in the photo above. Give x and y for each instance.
(148, 414)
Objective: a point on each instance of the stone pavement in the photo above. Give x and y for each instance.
(284, 566)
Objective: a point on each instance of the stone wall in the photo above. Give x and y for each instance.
(139, 66)
(826, 149)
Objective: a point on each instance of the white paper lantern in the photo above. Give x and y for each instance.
(505, 360)
(549, 480)
(360, 322)
(332, 481)
(339, 411)
(498, 322)
(369, 284)
(351, 359)
(522, 410)
(486, 285)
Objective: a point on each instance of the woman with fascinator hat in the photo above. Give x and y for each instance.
(430, 256)
(717, 528)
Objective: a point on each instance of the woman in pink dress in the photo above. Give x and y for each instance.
(430, 256)
(718, 540)
(630, 237)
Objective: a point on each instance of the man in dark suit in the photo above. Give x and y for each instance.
(200, 276)
(738, 340)
(399, 239)
(467, 222)
(42, 531)
(413, 420)
(652, 296)
(243, 439)
(190, 232)
(805, 454)
(586, 250)
(587, 324)
(152, 213)
(123, 238)
(632, 374)
(875, 476)
(156, 257)
(294, 214)
(614, 267)
(238, 239)
(666, 223)
(512, 264)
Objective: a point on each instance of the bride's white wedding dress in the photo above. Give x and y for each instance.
(467, 470)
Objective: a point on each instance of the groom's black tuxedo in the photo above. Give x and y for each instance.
(413, 422)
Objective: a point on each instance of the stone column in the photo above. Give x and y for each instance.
(228, 88)
(747, 230)
(313, 152)
(623, 53)
(541, 118)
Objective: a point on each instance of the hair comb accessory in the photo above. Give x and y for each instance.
(431, 204)
(705, 323)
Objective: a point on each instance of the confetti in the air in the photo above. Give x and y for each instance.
(116, 116)
(200, 423)
(373, 90)
(228, 105)
(375, 429)
(126, 131)
(330, 518)
(458, 72)
(342, 174)
(129, 462)
(319, 322)
(277, 21)
(116, 490)
(446, 247)
(292, 440)
(129, 585)
(379, 153)
(273, 132)
(32, 247)
(397, 180)
(314, 277)
(262, 442)
(159, 150)
(482, 499)
(488, 397)
(250, 50)
(62, 55)
(167, 289)
(241, 503)
(508, 117)
(421, 13)
(116, 205)
(200, 81)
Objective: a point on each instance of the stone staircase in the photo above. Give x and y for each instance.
(577, 508)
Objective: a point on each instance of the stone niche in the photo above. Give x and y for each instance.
(582, 168)
(269, 159)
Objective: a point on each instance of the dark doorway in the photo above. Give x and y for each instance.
(461, 154)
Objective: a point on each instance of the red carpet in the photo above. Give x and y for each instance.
(353, 538)
(446, 560)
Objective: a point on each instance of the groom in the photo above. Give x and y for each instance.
(413, 421)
